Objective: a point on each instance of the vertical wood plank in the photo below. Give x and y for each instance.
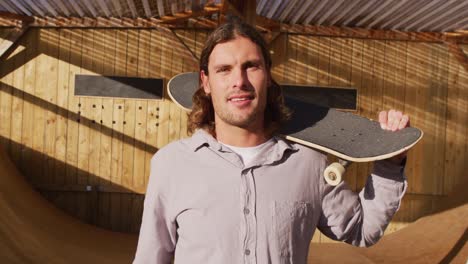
(312, 60)
(84, 130)
(139, 177)
(335, 59)
(411, 96)
(6, 93)
(421, 60)
(289, 74)
(279, 57)
(40, 92)
(50, 81)
(164, 106)
(128, 151)
(153, 105)
(63, 87)
(76, 46)
(141, 112)
(27, 134)
(389, 78)
(17, 104)
(324, 61)
(95, 129)
(105, 157)
(117, 126)
(175, 111)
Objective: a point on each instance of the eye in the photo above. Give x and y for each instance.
(222, 69)
(252, 66)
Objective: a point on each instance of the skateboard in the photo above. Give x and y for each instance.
(349, 137)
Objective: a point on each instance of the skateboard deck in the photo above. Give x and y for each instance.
(345, 135)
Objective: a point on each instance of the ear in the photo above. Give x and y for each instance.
(205, 82)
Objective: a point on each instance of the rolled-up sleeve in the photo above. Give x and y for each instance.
(157, 239)
(361, 219)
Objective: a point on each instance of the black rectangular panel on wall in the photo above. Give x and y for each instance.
(333, 97)
(114, 86)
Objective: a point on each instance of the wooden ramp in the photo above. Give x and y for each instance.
(438, 238)
(34, 231)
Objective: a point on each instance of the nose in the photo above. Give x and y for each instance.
(240, 78)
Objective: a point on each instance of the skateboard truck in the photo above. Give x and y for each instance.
(334, 172)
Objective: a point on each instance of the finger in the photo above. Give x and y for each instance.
(394, 118)
(404, 122)
(383, 119)
(398, 117)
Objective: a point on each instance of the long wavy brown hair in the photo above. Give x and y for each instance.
(202, 115)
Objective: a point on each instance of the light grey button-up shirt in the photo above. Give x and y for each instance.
(203, 205)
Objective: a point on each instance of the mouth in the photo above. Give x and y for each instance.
(241, 98)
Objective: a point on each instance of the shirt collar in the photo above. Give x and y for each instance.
(202, 138)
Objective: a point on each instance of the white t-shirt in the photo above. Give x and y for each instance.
(249, 153)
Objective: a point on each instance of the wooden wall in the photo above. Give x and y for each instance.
(64, 143)
(90, 156)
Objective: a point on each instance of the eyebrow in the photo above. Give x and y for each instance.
(255, 62)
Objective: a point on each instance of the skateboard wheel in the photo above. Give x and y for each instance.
(334, 173)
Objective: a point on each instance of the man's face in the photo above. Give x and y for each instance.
(237, 82)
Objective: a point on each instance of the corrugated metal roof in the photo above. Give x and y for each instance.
(403, 15)
(100, 8)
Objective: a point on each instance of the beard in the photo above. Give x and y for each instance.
(239, 120)
(239, 117)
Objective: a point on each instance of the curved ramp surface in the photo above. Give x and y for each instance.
(438, 238)
(34, 231)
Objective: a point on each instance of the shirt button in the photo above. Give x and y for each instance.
(246, 211)
(247, 252)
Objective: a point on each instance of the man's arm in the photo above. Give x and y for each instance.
(362, 219)
(156, 243)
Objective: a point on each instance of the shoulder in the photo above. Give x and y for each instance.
(173, 150)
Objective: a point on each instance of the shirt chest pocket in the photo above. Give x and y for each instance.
(293, 227)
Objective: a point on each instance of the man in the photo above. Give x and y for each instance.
(236, 193)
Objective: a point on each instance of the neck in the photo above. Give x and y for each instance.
(240, 137)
